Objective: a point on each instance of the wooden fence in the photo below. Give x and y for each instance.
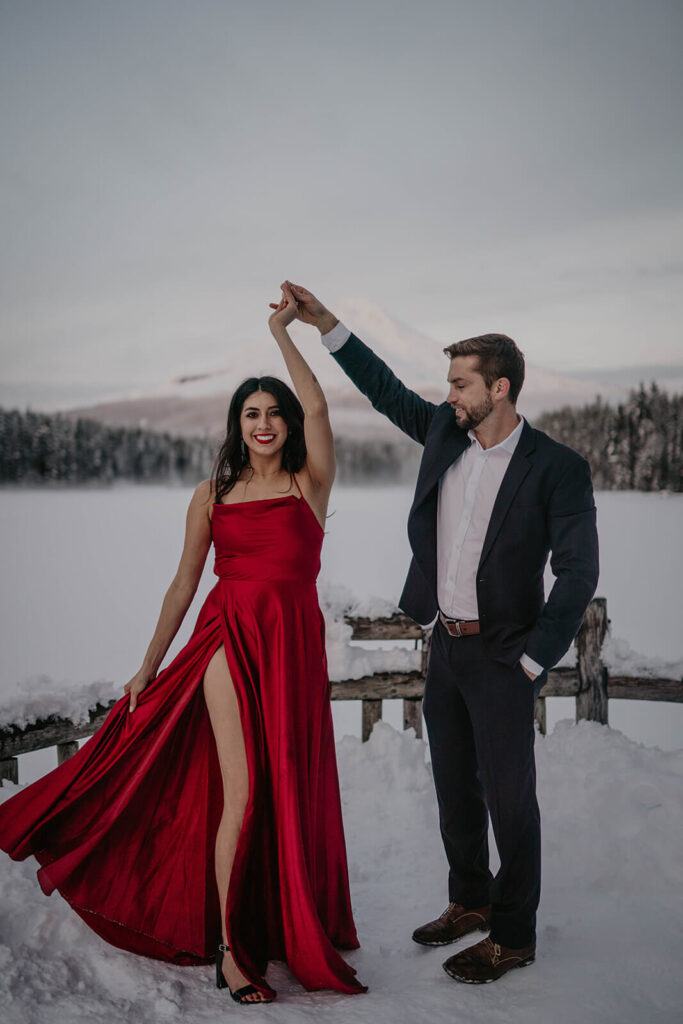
(589, 683)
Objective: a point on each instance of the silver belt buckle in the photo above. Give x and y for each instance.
(449, 623)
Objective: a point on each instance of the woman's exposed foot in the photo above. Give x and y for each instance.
(237, 980)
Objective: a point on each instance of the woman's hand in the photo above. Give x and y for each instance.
(309, 309)
(135, 687)
(285, 312)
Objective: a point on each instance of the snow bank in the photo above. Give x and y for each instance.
(609, 923)
(39, 697)
(348, 662)
(622, 660)
(337, 601)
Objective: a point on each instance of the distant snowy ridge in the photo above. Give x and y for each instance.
(196, 403)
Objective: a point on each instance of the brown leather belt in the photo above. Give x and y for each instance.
(460, 627)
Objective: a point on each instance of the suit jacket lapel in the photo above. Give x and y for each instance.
(450, 444)
(519, 466)
(447, 444)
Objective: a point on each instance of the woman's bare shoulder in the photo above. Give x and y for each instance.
(204, 493)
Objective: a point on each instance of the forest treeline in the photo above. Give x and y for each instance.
(632, 446)
(41, 448)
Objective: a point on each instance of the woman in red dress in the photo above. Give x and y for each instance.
(205, 812)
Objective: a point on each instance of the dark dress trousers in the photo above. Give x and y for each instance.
(479, 703)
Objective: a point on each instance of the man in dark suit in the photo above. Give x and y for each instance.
(494, 498)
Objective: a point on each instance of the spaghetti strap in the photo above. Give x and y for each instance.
(301, 493)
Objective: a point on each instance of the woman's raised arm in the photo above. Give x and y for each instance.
(320, 460)
(181, 591)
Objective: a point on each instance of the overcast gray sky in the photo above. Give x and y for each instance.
(468, 166)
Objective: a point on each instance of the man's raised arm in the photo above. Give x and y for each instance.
(407, 410)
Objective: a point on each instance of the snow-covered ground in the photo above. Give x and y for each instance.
(84, 574)
(609, 923)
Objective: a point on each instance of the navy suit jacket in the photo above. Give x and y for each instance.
(544, 506)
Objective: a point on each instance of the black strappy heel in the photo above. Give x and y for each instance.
(239, 994)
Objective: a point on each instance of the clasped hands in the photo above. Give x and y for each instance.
(298, 303)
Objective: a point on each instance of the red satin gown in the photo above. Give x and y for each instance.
(125, 829)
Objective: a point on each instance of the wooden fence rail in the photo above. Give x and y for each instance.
(589, 683)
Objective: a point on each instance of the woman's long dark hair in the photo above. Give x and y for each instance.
(233, 456)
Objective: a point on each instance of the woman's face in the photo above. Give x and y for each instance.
(264, 430)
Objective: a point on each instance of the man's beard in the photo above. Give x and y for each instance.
(476, 415)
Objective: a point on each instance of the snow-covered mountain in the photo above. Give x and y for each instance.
(197, 404)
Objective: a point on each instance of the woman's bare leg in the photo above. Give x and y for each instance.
(221, 702)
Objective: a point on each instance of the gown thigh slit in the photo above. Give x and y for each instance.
(226, 726)
(125, 830)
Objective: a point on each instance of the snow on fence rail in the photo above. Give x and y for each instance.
(589, 681)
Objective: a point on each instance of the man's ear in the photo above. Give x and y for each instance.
(501, 388)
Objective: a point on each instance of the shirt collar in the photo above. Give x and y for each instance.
(508, 444)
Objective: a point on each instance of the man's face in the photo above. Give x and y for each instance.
(468, 397)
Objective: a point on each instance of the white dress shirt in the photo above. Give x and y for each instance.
(467, 494)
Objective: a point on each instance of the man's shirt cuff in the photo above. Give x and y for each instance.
(335, 338)
(527, 662)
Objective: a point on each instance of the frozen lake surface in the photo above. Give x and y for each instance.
(85, 570)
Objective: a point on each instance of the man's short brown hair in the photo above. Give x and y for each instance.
(498, 357)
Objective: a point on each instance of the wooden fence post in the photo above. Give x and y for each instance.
(540, 715)
(412, 708)
(66, 750)
(591, 700)
(9, 769)
(426, 645)
(372, 712)
(412, 715)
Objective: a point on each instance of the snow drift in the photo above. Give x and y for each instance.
(609, 923)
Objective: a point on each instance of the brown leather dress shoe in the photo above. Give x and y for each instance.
(455, 922)
(487, 961)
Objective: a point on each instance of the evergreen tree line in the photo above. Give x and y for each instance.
(40, 448)
(632, 446)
